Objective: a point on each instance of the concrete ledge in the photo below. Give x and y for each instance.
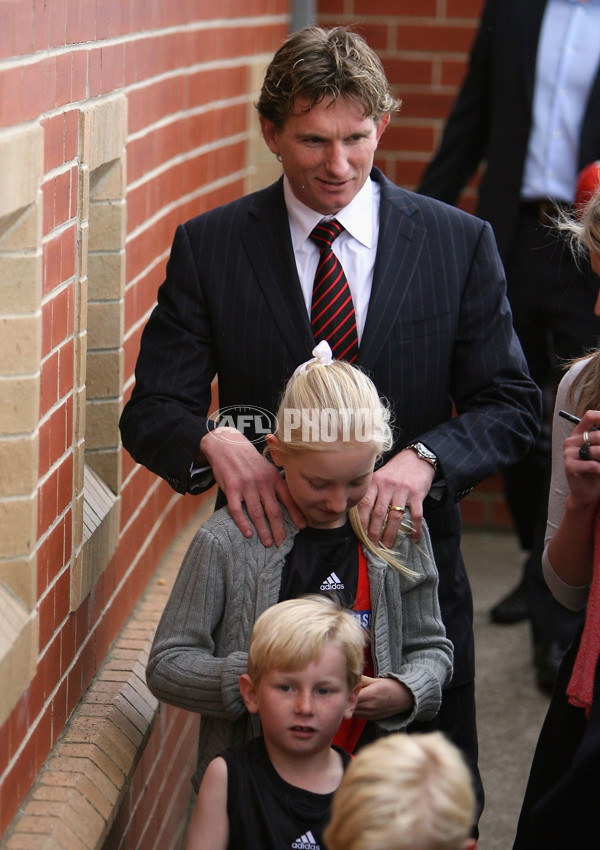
(19, 638)
(76, 796)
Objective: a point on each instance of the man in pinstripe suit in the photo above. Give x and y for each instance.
(435, 330)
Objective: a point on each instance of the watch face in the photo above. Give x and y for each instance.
(425, 453)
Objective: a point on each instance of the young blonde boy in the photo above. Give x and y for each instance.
(304, 671)
(404, 792)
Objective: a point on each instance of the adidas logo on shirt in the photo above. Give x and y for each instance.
(306, 842)
(332, 582)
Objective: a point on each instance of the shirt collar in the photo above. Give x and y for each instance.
(356, 217)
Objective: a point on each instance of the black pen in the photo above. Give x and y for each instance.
(574, 419)
(570, 416)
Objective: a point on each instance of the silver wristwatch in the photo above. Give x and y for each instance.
(424, 453)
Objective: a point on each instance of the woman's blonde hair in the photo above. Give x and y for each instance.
(290, 635)
(404, 792)
(583, 233)
(333, 403)
(582, 229)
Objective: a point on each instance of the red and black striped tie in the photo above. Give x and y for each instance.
(332, 311)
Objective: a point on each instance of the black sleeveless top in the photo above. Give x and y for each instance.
(267, 813)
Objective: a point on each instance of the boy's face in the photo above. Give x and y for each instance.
(326, 484)
(301, 710)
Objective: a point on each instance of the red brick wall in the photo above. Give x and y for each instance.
(184, 67)
(153, 812)
(423, 45)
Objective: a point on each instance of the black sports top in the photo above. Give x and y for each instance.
(267, 813)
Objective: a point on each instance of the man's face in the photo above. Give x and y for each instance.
(326, 152)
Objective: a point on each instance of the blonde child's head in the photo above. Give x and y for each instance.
(330, 406)
(404, 792)
(292, 634)
(328, 402)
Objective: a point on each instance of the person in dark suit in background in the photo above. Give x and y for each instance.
(433, 323)
(530, 107)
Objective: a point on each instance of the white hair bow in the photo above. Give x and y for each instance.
(322, 357)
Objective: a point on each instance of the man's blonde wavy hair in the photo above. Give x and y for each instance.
(315, 63)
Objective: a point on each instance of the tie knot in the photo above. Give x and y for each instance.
(326, 232)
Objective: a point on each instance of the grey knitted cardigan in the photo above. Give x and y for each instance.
(227, 580)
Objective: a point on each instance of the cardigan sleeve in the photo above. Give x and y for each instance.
(185, 666)
(415, 650)
(200, 648)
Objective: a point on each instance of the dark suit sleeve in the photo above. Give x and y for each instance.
(496, 402)
(465, 137)
(163, 422)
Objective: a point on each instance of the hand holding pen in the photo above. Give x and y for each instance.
(582, 477)
(584, 451)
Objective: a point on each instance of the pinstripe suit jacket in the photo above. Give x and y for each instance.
(438, 337)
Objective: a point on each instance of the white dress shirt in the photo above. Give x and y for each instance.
(567, 60)
(355, 247)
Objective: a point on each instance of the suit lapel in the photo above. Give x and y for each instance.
(531, 14)
(398, 250)
(268, 244)
(588, 154)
